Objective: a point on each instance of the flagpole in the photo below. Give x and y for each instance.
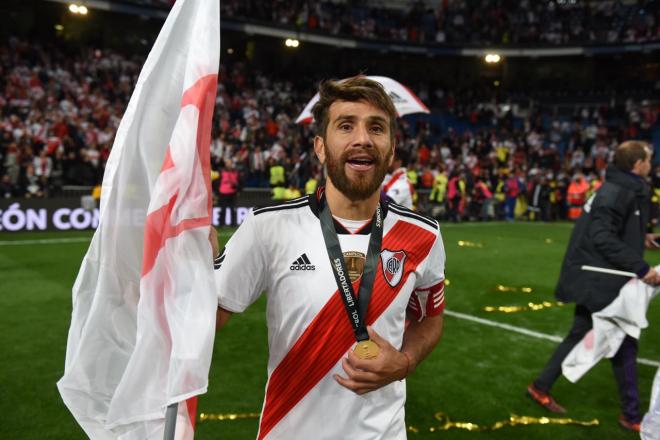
(170, 421)
(610, 271)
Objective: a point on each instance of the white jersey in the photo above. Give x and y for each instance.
(280, 250)
(398, 188)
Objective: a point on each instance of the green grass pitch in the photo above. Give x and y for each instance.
(477, 374)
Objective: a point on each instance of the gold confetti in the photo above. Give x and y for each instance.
(447, 282)
(502, 288)
(514, 420)
(220, 417)
(446, 423)
(548, 241)
(470, 244)
(529, 307)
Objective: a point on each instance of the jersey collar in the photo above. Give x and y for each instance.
(317, 200)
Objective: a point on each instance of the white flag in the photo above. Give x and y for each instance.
(625, 316)
(404, 100)
(144, 302)
(651, 422)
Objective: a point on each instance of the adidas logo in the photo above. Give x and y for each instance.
(302, 263)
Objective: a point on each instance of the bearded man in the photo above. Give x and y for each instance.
(342, 270)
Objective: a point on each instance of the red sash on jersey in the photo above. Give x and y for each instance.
(329, 336)
(392, 181)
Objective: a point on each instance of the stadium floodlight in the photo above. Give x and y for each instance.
(291, 42)
(492, 58)
(78, 9)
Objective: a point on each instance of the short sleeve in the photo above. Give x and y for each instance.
(428, 298)
(240, 268)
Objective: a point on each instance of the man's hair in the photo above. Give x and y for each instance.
(628, 153)
(357, 88)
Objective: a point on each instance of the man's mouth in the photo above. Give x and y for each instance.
(360, 163)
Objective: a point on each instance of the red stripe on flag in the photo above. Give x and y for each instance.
(158, 227)
(202, 95)
(168, 162)
(329, 335)
(416, 98)
(191, 406)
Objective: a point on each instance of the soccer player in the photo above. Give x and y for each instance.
(343, 270)
(396, 185)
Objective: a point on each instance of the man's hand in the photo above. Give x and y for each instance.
(364, 375)
(652, 277)
(221, 318)
(652, 241)
(213, 238)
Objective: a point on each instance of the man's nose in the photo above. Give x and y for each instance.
(362, 136)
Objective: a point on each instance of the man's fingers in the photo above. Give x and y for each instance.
(356, 374)
(356, 387)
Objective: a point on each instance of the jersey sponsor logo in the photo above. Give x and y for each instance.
(302, 263)
(393, 262)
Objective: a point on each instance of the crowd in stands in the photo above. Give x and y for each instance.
(59, 113)
(461, 22)
(458, 22)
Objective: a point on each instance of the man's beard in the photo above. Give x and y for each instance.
(364, 185)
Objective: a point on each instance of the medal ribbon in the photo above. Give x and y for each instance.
(356, 308)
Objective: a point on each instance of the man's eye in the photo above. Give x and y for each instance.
(377, 129)
(345, 127)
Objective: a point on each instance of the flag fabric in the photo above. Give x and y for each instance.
(144, 301)
(404, 100)
(651, 422)
(626, 315)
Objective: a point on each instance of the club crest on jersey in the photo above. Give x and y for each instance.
(393, 262)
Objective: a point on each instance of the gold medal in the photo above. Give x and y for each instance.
(366, 349)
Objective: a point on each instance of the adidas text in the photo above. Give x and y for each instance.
(302, 263)
(302, 267)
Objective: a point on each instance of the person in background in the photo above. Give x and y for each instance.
(611, 233)
(512, 189)
(292, 192)
(397, 185)
(482, 200)
(228, 189)
(576, 195)
(438, 194)
(312, 183)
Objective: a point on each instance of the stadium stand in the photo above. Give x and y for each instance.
(59, 110)
(458, 21)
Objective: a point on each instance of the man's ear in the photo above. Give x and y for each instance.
(319, 149)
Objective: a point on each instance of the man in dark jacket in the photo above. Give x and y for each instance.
(611, 233)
